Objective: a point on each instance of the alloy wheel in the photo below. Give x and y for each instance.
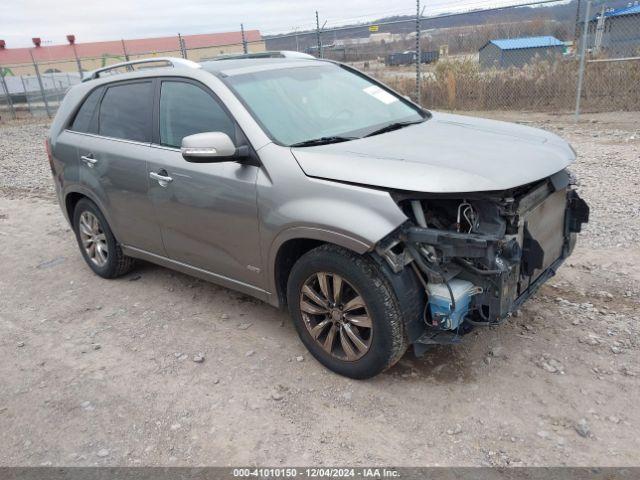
(336, 316)
(93, 239)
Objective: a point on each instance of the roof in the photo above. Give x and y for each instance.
(265, 54)
(50, 53)
(173, 62)
(526, 42)
(619, 12)
(253, 65)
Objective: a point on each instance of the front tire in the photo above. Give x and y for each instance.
(345, 312)
(98, 246)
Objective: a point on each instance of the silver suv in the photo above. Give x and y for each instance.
(309, 185)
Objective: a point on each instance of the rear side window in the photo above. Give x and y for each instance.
(125, 112)
(82, 122)
(186, 109)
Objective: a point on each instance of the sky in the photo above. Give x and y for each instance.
(93, 20)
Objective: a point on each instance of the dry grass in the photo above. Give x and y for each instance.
(541, 86)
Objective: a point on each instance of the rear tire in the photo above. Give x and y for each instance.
(367, 315)
(98, 246)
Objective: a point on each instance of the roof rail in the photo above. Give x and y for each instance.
(171, 61)
(267, 54)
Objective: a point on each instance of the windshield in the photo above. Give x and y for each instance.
(323, 100)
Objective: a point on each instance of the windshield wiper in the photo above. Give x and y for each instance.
(322, 141)
(391, 127)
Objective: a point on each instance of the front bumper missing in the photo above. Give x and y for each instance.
(442, 337)
(513, 267)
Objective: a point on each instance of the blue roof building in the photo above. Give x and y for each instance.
(616, 32)
(621, 12)
(527, 42)
(517, 52)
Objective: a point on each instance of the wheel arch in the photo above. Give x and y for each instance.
(407, 287)
(73, 195)
(291, 244)
(70, 202)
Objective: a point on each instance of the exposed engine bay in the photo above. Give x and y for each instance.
(479, 256)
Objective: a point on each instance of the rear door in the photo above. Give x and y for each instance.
(67, 170)
(113, 162)
(207, 211)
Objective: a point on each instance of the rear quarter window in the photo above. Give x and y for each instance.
(82, 121)
(125, 112)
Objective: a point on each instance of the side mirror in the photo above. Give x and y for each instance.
(210, 147)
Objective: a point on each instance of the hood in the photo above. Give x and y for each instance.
(445, 154)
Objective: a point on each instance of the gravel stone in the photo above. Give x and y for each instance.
(582, 427)
(551, 365)
(24, 168)
(455, 430)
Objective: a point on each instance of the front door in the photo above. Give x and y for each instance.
(207, 211)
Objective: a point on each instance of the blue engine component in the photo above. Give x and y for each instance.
(439, 303)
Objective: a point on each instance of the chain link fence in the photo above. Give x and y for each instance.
(37, 88)
(545, 56)
(515, 58)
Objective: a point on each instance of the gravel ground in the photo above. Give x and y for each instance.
(23, 169)
(159, 368)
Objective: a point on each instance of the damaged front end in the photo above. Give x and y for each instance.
(480, 255)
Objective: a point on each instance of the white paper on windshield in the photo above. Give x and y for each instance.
(380, 94)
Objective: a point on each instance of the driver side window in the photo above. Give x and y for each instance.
(187, 109)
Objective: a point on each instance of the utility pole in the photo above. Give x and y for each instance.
(44, 95)
(319, 41)
(78, 64)
(244, 39)
(26, 93)
(583, 54)
(183, 49)
(124, 50)
(418, 53)
(576, 30)
(6, 90)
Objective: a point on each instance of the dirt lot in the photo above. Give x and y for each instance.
(98, 372)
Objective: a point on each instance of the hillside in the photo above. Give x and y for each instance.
(557, 13)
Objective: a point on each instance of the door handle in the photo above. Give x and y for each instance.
(89, 160)
(163, 180)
